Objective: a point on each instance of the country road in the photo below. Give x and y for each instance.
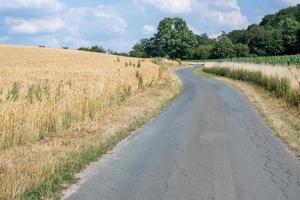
(211, 144)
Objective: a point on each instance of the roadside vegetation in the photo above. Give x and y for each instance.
(282, 81)
(289, 60)
(64, 109)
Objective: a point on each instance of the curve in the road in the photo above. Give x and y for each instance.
(210, 144)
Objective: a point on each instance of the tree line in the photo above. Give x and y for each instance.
(277, 34)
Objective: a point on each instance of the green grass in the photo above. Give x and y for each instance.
(280, 87)
(289, 60)
(77, 161)
(203, 74)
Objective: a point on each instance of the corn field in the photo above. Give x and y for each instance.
(282, 81)
(292, 60)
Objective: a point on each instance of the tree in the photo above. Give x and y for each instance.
(297, 45)
(140, 49)
(289, 27)
(224, 48)
(174, 39)
(237, 36)
(205, 40)
(241, 50)
(203, 52)
(96, 48)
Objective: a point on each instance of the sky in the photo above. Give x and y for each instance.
(119, 24)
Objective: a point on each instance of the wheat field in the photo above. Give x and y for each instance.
(46, 90)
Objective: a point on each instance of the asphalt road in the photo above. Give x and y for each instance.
(210, 144)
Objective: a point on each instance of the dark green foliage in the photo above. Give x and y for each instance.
(275, 19)
(289, 27)
(203, 52)
(224, 48)
(141, 49)
(241, 50)
(173, 40)
(291, 60)
(238, 36)
(96, 48)
(205, 40)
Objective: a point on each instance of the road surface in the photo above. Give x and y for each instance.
(209, 145)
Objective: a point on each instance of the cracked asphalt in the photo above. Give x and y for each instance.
(211, 144)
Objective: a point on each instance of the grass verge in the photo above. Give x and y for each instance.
(280, 116)
(203, 74)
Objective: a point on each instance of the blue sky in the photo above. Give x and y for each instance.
(119, 24)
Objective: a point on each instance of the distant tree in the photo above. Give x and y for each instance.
(275, 19)
(297, 45)
(241, 50)
(174, 39)
(277, 34)
(140, 49)
(265, 41)
(203, 39)
(203, 52)
(65, 47)
(237, 36)
(289, 27)
(224, 48)
(96, 48)
(274, 43)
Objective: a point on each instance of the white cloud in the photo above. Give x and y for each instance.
(34, 26)
(148, 30)
(194, 29)
(214, 35)
(171, 6)
(291, 2)
(89, 19)
(220, 12)
(50, 5)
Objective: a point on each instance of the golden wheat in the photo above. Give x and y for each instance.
(46, 90)
(290, 73)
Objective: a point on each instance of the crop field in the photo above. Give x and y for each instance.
(290, 60)
(45, 90)
(61, 109)
(282, 81)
